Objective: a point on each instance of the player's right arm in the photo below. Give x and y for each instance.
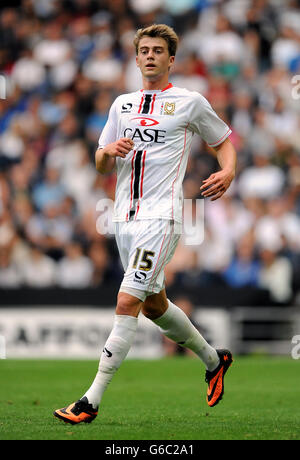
(109, 146)
(105, 157)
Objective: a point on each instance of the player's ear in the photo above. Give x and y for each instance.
(136, 60)
(171, 62)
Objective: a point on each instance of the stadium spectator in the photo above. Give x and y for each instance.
(74, 270)
(4, 194)
(54, 48)
(10, 276)
(28, 73)
(22, 210)
(39, 270)
(79, 178)
(262, 180)
(223, 50)
(244, 269)
(11, 145)
(190, 74)
(261, 140)
(279, 228)
(50, 192)
(99, 255)
(213, 256)
(96, 121)
(50, 230)
(276, 276)
(103, 67)
(285, 47)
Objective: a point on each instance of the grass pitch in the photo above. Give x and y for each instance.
(153, 400)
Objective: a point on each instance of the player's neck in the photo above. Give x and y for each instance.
(149, 85)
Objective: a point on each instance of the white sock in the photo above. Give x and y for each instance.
(176, 325)
(115, 351)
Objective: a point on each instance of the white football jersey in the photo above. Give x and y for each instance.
(161, 124)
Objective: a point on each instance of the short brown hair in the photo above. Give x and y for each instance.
(158, 30)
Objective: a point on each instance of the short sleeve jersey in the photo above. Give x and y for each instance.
(161, 124)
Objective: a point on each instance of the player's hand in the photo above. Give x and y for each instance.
(120, 148)
(217, 184)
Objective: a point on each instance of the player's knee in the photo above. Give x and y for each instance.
(151, 311)
(125, 309)
(155, 306)
(127, 305)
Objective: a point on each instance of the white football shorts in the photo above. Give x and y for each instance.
(145, 248)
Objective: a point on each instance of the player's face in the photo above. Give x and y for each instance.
(153, 57)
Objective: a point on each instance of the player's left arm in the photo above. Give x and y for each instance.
(217, 183)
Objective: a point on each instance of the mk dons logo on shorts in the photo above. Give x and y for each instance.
(169, 108)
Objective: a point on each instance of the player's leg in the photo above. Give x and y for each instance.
(172, 320)
(114, 352)
(117, 345)
(175, 325)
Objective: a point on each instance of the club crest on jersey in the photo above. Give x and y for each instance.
(169, 108)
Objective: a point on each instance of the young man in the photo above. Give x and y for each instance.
(147, 139)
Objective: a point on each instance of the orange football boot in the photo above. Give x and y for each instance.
(80, 411)
(215, 379)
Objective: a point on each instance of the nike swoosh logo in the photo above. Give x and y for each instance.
(214, 382)
(107, 352)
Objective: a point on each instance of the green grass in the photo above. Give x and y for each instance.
(153, 400)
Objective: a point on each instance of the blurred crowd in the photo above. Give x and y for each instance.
(62, 63)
